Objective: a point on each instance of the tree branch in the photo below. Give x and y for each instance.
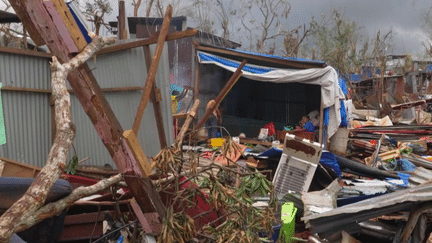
(55, 208)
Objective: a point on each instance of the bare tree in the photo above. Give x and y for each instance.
(336, 40)
(136, 4)
(95, 13)
(262, 21)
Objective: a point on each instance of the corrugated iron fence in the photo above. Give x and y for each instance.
(28, 111)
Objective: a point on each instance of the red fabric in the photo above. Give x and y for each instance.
(271, 128)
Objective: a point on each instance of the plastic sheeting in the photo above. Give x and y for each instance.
(327, 78)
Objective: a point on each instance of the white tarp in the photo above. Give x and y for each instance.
(326, 77)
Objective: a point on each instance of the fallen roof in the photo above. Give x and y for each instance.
(261, 59)
(417, 194)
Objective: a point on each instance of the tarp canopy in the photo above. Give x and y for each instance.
(327, 78)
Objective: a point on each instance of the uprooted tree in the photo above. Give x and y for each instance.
(29, 208)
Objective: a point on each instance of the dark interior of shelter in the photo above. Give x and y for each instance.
(251, 104)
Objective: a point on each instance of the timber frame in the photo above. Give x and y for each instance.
(38, 21)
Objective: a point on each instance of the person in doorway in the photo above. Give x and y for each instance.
(213, 121)
(306, 125)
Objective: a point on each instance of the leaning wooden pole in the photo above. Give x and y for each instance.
(156, 102)
(151, 74)
(191, 115)
(35, 196)
(228, 86)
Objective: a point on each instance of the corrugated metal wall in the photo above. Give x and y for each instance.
(28, 119)
(27, 115)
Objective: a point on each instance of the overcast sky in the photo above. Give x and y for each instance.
(403, 17)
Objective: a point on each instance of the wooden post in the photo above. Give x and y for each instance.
(321, 122)
(156, 102)
(188, 121)
(197, 77)
(153, 68)
(236, 75)
(122, 21)
(33, 14)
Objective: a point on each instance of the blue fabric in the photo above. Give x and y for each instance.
(407, 165)
(272, 152)
(429, 68)
(343, 113)
(342, 85)
(309, 127)
(226, 62)
(326, 116)
(328, 159)
(80, 25)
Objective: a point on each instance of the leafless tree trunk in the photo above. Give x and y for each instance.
(136, 5)
(36, 195)
(57, 207)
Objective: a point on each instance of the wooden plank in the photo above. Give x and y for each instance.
(25, 52)
(148, 41)
(39, 24)
(61, 27)
(138, 153)
(156, 102)
(287, 63)
(233, 80)
(197, 77)
(48, 91)
(23, 14)
(70, 23)
(151, 73)
(14, 168)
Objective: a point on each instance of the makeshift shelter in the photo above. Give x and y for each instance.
(277, 70)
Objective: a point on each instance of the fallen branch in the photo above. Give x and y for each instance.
(35, 196)
(55, 208)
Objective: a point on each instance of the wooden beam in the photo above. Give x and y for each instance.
(122, 21)
(94, 104)
(156, 103)
(151, 73)
(143, 42)
(71, 25)
(233, 80)
(197, 77)
(296, 64)
(39, 24)
(48, 91)
(139, 154)
(27, 19)
(31, 53)
(61, 27)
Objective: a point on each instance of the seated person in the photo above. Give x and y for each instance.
(306, 125)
